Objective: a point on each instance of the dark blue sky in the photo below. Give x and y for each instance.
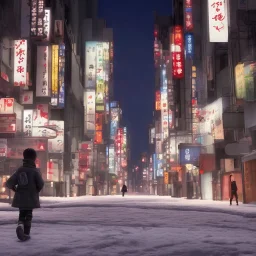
(132, 22)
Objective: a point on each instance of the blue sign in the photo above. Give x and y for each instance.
(189, 45)
(189, 155)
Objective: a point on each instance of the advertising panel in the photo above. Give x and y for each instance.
(189, 155)
(188, 15)
(7, 123)
(177, 49)
(42, 72)
(3, 147)
(189, 45)
(112, 159)
(37, 18)
(55, 75)
(239, 81)
(20, 62)
(158, 100)
(249, 78)
(61, 102)
(106, 70)
(99, 122)
(28, 122)
(166, 178)
(164, 114)
(160, 163)
(26, 97)
(114, 124)
(90, 65)
(56, 145)
(212, 122)
(40, 115)
(218, 21)
(47, 24)
(100, 85)
(6, 106)
(89, 102)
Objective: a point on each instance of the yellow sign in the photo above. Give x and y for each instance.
(166, 178)
(55, 73)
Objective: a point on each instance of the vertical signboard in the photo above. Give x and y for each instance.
(40, 115)
(42, 72)
(188, 15)
(100, 86)
(189, 45)
(61, 102)
(114, 123)
(177, 49)
(20, 62)
(28, 122)
(111, 154)
(106, 71)
(55, 74)
(90, 65)
(89, 102)
(56, 145)
(37, 18)
(47, 24)
(218, 21)
(239, 81)
(158, 100)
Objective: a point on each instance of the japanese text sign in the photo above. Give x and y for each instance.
(37, 18)
(218, 21)
(20, 62)
(188, 15)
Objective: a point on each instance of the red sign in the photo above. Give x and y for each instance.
(7, 123)
(177, 52)
(188, 15)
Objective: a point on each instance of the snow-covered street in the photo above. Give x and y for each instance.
(134, 225)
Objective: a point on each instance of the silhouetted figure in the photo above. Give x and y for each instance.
(124, 190)
(26, 182)
(233, 190)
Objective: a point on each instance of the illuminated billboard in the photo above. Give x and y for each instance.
(47, 24)
(100, 83)
(218, 21)
(40, 119)
(89, 102)
(90, 65)
(42, 72)
(61, 102)
(177, 49)
(164, 114)
(55, 74)
(37, 8)
(189, 45)
(188, 15)
(239, 81)
(28, 122)
(158, 100)
(111, 154)
(20, 62)
(114, 123)
(106, 70)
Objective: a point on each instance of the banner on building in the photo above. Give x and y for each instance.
(218, 21)
(89, 102)
(112, 159)
(55, 75)
(20, 62)
(240, 81)
(114, 123)
(189, 45)
(164, 114)
(61, 102)
(177, 49)
(166, 178)
(42, 72)
(37, 18)
(90, 64)
(47, 24)
(56, 145)
(100, 84)
(188, 15)
(158, 100)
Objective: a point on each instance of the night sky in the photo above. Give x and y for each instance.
(133, 23)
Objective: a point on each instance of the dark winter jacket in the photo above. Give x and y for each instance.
(124, 189)
(26, 182)
(233, 186)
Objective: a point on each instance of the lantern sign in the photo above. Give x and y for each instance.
(37, 18)
(177, 49)
(189, 44)
(188, 15)
(218, 21)
(20, 62)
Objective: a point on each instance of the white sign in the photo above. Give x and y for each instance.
(111, 165)
(56, 145)
(164, 114)
(90, 65)
(6, 106)
(40, 115)
(28, 122)
(47, 24)
(218, 21)
(20, 63)
(89, 101)
(42, 72)
(26, 97)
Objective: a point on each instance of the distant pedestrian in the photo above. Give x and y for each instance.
(233, 190)
(26, 182)
(124, 190)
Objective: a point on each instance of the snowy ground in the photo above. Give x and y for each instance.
(134, 225)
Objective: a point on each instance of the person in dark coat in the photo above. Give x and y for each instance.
(26, 182)
(124, 190)
(233, 190)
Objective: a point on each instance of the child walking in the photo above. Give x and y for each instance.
(26, 182)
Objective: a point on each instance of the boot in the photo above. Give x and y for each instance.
(27, 227)
(20, 231)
